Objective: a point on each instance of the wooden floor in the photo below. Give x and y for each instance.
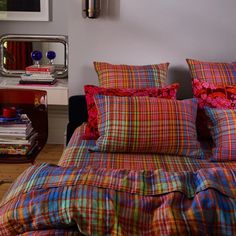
(9, 172)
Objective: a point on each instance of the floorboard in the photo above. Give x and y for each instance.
(9, 172)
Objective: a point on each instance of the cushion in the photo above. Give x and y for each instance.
(218, 73)
(213, 96)
(223, 133)
(91, 131)
(147, 125)
(131, 76)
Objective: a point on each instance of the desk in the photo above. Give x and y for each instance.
(57, 94)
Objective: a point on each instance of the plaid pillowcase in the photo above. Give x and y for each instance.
(213, 96)
(131, 76)
(91, 131)
(147, 125)
(223, 133)
(213, 72)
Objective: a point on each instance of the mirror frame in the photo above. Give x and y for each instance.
(33, 38)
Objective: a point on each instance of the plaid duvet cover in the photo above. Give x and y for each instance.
(73, 201)
(94, 193)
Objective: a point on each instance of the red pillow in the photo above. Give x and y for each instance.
(214, 96)
(91, 131)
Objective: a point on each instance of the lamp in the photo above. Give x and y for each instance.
(91, 8)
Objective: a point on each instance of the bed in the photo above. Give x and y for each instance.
(94, 192)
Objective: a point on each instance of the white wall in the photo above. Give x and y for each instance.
(150, 31)
(140, 32)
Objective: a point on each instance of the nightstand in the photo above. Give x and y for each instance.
(33, 103)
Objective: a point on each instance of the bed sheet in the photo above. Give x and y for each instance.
(78, 154)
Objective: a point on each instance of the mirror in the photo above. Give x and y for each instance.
(15, 53)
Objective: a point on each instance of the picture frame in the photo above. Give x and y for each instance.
(43, 14)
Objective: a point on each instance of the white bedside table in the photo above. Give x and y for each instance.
(57, 94)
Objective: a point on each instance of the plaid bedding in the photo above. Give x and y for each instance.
(121, 194)
(120, 202)
(77, 154)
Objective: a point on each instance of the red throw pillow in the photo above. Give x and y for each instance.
(214, 96)
(91, 131)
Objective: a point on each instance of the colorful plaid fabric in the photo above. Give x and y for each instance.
(91, 131)
(77, 154)
(120, 202)
(147, 125)
(131, 76)
(213, 72)
(53, 232)
(223, 133)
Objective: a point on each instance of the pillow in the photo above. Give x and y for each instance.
(131, 76)
(147, 125)
(214, 72)
(223, 133)
(91, 130)
(213, 96)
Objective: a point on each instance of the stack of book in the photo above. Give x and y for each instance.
(17, 135)
(43, 74)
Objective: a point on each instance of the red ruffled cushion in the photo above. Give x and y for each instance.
(213, 96)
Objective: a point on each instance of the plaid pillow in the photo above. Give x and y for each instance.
(130, 76)
(91, 131)
(147, 125)
(213, 96)
(223, 133)
(213, 72)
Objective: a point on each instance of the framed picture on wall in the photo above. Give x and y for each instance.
(24, 10)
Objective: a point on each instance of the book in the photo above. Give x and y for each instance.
(35, 81)
(15, 127)
(19, 120)
(4, 119)
(16, 133)
(37, 77)
(42, 69)
(19, 140)
(17, 149)
(12, 131)
(21, 126)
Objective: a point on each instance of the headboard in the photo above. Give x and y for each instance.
(77, 114)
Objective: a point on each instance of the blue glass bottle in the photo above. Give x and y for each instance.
(36, 57)
(51, 55)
